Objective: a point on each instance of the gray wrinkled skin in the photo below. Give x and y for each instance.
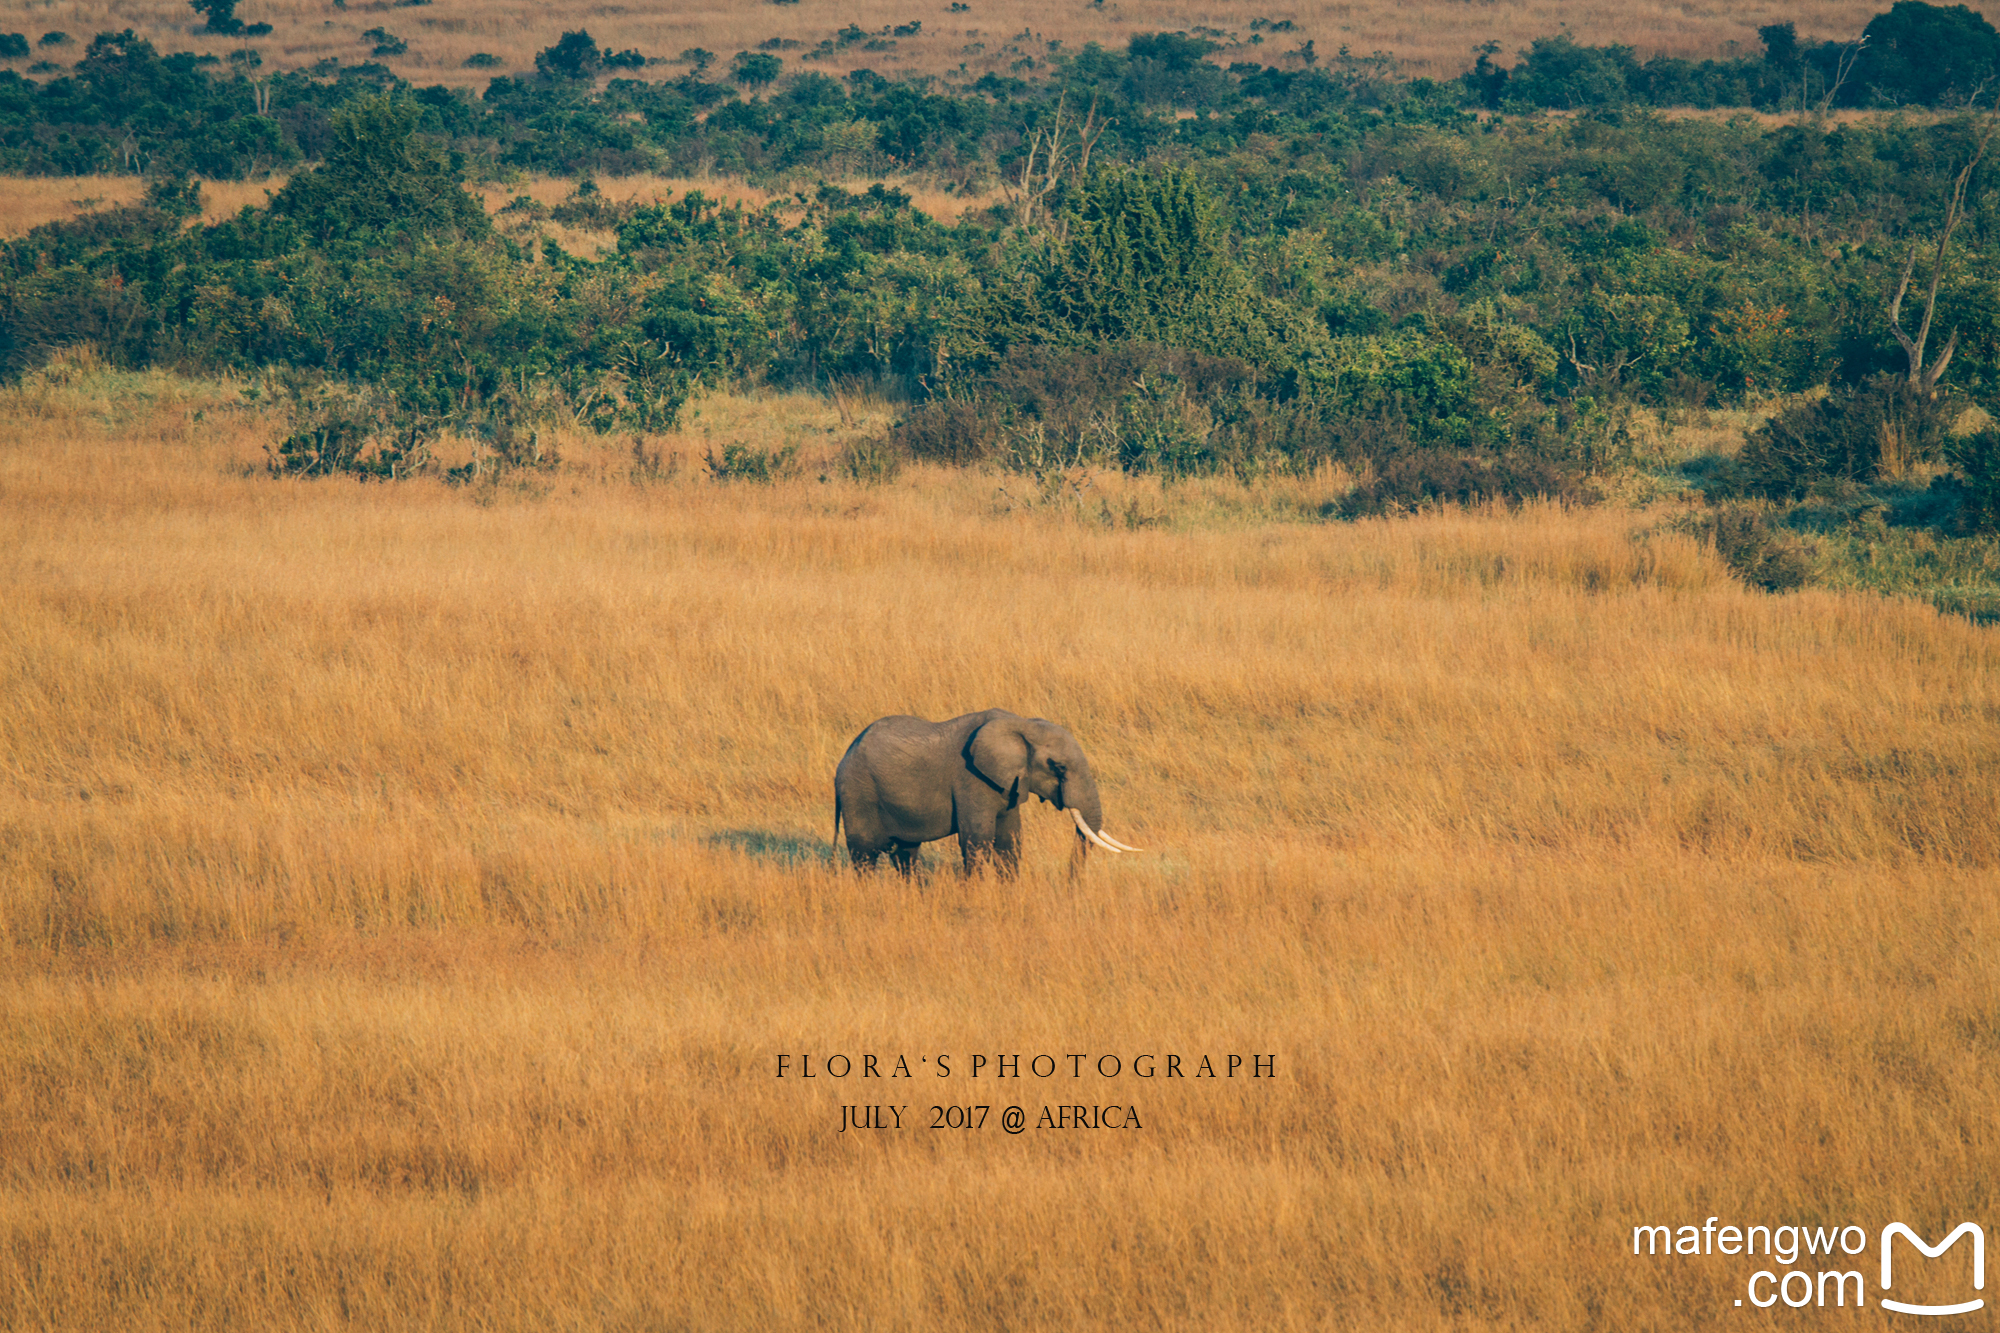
(905, 782)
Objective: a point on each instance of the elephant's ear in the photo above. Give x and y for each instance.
(998, 752)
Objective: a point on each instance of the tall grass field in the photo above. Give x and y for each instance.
(418, 907)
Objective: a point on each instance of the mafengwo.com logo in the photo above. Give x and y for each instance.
(1810, 1266)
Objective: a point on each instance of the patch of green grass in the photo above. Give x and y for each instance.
(1956, 574)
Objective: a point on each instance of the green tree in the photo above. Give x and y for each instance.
(380, 175)
(1146, 258)
(220, 15)
(1928, 53)
(574, 56)
(754, 69)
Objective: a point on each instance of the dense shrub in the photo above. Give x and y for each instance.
(1853, 434)
(952, 430)
(379, 175)
(741, 462)
(871, 460)
(1756, 549)
(1142, 406)
(1915, 54)
(1927, 54)
(1146, 259)
(356, 429)
(1145, 407)
(574, 56)
(1344, 269)
(1977, 458)
(220, 15)
(586, 206)
(1301, 434)
(1169, 69)
(1423, 478)
(754, 69)
(1557, 72)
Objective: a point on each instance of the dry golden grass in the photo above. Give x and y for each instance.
(405, 893)
(1437, 39)
(26, 202)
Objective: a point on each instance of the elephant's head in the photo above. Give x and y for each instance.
(1029, 757)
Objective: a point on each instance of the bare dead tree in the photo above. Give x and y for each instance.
(1602, 377)
(1086, 138)
(1842, 68)
(1026, 194)
(1924, 378)
(1055, 149)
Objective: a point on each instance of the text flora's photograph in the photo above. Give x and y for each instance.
(964, 666)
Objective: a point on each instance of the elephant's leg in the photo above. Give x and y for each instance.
(979, 818)
(904, 855)
(1002, 846)
(864, 851)
(1007, 841)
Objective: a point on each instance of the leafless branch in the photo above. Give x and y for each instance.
(1060, 146)
(1924, 378)
(1841, 71)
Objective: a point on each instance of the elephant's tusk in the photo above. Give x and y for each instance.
(1115, 843)
(1084, 829)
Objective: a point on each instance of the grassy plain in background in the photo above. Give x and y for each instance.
(27, 202)
(406, 891)
(1434, 39)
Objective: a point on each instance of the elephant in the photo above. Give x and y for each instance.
(904, 782)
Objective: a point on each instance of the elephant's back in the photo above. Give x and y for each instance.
(887, 739)
(904, 736)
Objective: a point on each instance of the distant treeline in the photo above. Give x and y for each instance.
(125, 107)
(1335, 268)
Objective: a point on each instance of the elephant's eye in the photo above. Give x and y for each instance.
(1057, 769)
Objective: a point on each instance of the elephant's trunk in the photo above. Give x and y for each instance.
(1079, 798)
(1089, 826)
(1079, 795)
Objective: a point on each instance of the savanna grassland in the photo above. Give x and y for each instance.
(406, 892)
(1436, 40)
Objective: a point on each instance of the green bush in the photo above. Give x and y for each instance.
(955, 431)
(1557, 72)
(1147, 260)
(1854, 434)
(872, 460)
(1755, 548)
(1426, 478)
(574, 56)
(1977, 458)
(355, 429)
(754, 69)
(587, 207)
(378, 175)
(740, 462)
(1928, 54)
